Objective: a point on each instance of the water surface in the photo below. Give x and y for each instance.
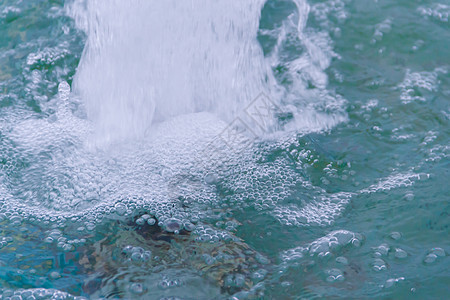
(256, 150)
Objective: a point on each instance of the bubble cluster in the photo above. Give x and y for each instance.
(82, 193)
(5, 240)
(206, 234)
(326, 246)
(38, 293)
(234, 281)
(136, 254)
(381, 250)
(378, 265)
(417, 86)
(175, 201)
(271, 187)
(393, 181)
(146, 219)
(342, 260)
(47, 56)
(380, 30)
(437, 11)
(57, 173)
(326, 11)
(334, 275)
(433, 255)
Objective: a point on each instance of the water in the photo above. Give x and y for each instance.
(256, 150)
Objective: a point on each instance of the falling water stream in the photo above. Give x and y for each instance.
(214, 149)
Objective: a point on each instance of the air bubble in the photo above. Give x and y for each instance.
(54, 275)
(39, 293)
(393, 281)
(438, 251)
(210, 178)
(68, 247)
(381, 250)
(334, 275)
(333, 242)
(64, 90)
(127, 250)
(55, 234)
(139, 250)
(188, 226)
(259, 275)
(173, 225)
(409, 196)
(208, 259)
(433, 255)
(169, 283)
(234, 280)
(145, 217)
(400, 253)
(137, 288)
(147, 255)
(15, 220)
(262, 259)
(379, 265)
(356, 242)
(430, 258)
(395, 235)
(140, 221)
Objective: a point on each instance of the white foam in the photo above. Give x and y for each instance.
(74, 181)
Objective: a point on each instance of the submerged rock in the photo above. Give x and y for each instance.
(156, 250)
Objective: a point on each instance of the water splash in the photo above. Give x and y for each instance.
(171, 85)
(172, 58)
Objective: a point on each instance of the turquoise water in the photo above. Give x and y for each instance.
(348, 198)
